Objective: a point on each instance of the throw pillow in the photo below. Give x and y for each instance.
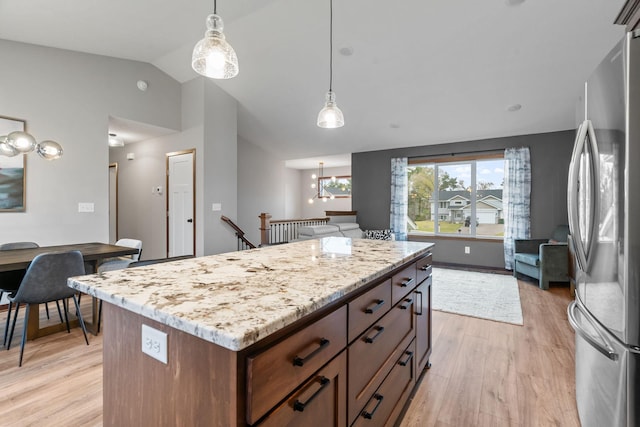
(378, 234)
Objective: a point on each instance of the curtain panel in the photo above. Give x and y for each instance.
(516, 200)
(399, 197)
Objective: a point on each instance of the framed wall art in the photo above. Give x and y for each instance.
(12, 171)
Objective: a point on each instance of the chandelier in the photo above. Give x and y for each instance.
(19, 142)
(321, 191)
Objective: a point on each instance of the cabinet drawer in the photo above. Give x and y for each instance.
(274, 373)
(320, 398)
(368, 308)
(371, 356)
(402, 283)
(387, 402)
(424, 268)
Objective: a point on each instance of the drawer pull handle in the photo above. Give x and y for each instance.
(370, 340)
(406, 282)
(420, 313)
(404, 307)
(425, 267)
(369, 415)
(379, 303)
(300, 361)
(299, 406)
(406, 362)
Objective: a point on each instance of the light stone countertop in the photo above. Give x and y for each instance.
(238, 298)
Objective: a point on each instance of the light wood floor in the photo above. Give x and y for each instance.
(483, 373)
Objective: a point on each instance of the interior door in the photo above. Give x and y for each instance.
(113, 202)
(181, 203)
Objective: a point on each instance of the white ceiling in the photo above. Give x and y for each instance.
(421, 72)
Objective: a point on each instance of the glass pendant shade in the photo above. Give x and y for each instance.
(212, 56)
(21, 141)
(49, 150)
(330, 116)
(6, 149)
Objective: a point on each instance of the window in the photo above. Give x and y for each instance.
(466, 189)
(334, 186)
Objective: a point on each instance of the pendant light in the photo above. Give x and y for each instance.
(212, 56)
(19, 142)
(330, 116)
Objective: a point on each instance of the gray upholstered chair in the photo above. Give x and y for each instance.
(544, 259)
(46, 281)
(10, 281)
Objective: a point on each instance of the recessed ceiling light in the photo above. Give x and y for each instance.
(346, 51)
(142, 85)
(514, 107)
(514, 2)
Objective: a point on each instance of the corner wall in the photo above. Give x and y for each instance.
(550, 157)
(68, 97)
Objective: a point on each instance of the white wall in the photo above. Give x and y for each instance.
(264, 185)
(68, 97)
(220, 156)
(206, 110)
(316, 210)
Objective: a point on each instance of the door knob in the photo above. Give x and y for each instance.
(190, 220)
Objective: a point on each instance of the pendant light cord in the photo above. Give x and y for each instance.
(330, 44)
(215, 7)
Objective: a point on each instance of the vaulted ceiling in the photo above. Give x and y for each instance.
(410, 72)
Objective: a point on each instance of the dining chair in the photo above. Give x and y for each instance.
(46, 281)
(10, 280)
(118, 263)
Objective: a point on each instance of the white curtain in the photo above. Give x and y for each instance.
(516, 200)
(399, 197)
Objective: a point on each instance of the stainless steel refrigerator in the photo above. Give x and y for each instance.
(604, 218)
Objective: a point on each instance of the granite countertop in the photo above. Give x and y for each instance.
(238, 298)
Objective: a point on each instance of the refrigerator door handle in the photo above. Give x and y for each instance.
(572, 190)
(603, 347)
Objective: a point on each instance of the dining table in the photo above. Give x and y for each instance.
(92, 253)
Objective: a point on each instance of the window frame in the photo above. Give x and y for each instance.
(320, 187)
(466, 159)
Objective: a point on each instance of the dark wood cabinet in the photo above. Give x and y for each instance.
(275, 372)
(630, 15)
(355, 360)
(322, 399)
(423, 324)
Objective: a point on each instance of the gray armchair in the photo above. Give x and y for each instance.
(545, 260)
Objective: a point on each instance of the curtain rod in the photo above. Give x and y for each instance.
(458, 154)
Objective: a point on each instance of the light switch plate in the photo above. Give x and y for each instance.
(154, 343)
(85, 207)
(216, 207)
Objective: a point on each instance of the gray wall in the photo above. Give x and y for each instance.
(550, 157)
(68, 97)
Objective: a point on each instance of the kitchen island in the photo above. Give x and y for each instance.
(335, 330)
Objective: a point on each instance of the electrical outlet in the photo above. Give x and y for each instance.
(154, 343)
(467, 250)
(216, 207)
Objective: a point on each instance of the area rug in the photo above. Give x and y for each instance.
(483, 295)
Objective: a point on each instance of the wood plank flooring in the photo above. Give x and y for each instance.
(483, 373)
